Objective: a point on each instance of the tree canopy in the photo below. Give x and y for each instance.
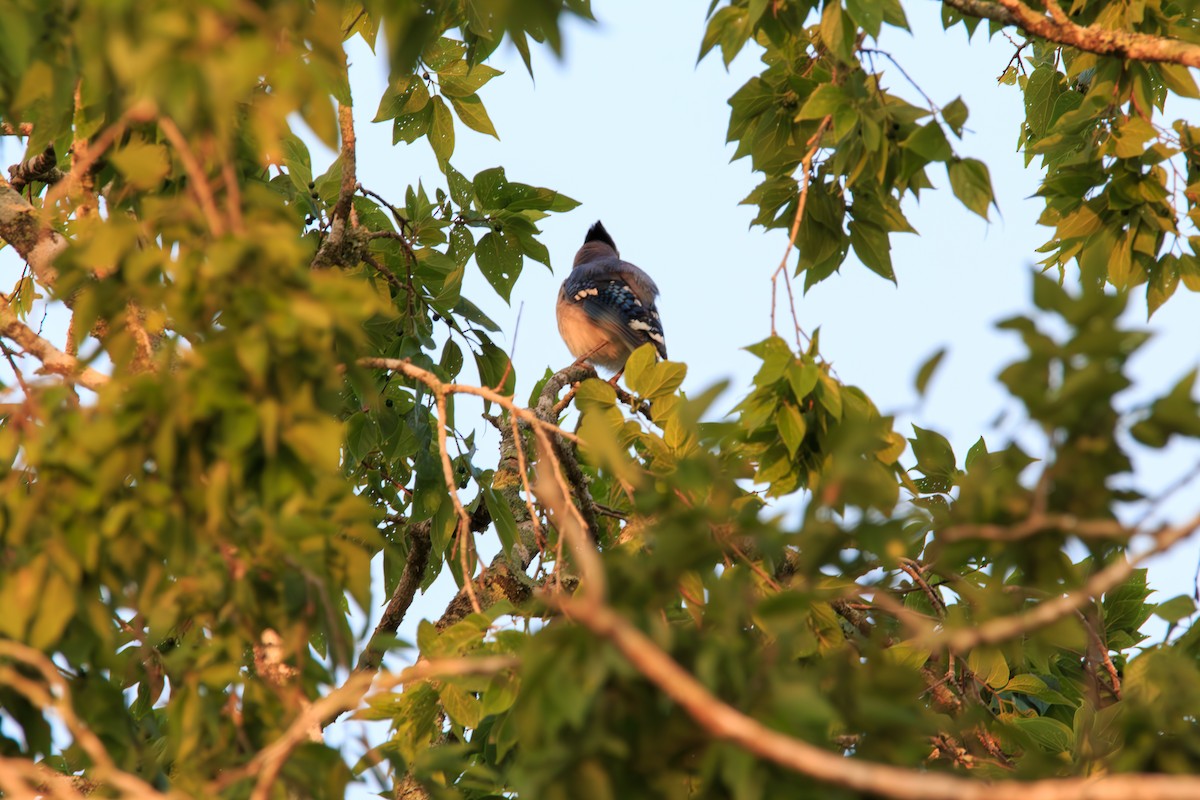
(262, 424)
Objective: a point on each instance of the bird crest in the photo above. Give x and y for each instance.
(597, 233)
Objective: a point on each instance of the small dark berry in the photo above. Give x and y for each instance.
(389, 402)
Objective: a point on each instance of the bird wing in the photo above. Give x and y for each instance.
(620, 301)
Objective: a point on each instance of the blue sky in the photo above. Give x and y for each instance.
(628, 124)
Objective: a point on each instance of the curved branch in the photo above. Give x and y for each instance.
(1002, 629)
(722, 721)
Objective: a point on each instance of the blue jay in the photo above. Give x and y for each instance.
(606, 305)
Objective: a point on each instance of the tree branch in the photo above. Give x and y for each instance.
(505, 577)
(402, 597)
(984, 9)
(1058, 28)
(53, 693)
(267, 762)
(1002, 629)
(1036, 524)
(53, 360)
(21, 228)
(195, 172)
(339, 248)
(82, 165)
(724, 722)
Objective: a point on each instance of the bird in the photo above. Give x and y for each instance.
(606, 306)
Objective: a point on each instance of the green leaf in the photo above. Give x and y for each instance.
(1041, 92)
(829, 395)
(638, 367)
(441, 131)
(1048, 734)
(52, 617)
(1122, 272)
(462, 80)
(499, 260)
(826, 99)
(1131, 135)
(925, 373)
(1125, 607)
(500, 694)
(955, 115)
(1034, 686)
(1175, 609)
(868, 14)
(1189, 271)
(989, 666)
(461, 706)
(978, 449)
(398, 91)
(871, 245)
(1178, 79)
(972, 184)
(935, 457)
(502, 516)
(472, 113)
(837, 34)
(802, 376)
(662, 379)
(929, 142)
(791, 425)
(595, 393)
(143, 164)
(410, 127)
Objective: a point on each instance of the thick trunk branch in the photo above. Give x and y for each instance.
(21, 228)
(1057, 27)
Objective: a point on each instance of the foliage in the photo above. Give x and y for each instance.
(280, 353)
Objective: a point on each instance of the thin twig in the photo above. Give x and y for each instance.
(435, 384)
(267, 762)
(556, 495)
(465, 537)
(814, 144)
(523, 467)
(140, 112)
(196, 178)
